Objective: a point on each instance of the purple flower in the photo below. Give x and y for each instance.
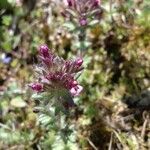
(44, 51)
(83, 21)
(7, 60)
(70, 2)
(79, 62)
(76, 9)
(96, 3)
(36, 87)
(75, 91)
(58, 76)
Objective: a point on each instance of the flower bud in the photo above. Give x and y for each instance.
(36, 87)
(44, 50)
(95, 3)
(70, 3)
(79, 62)
(83, 21)
(76, 90)
(74, 83)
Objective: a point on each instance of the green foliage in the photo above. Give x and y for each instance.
(117, 63)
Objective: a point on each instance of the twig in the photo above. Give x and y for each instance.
(120, 140)
(91, 143)
(144, 126)
(110, 143)
(110, 9)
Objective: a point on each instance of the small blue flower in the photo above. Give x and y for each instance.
(6, 59)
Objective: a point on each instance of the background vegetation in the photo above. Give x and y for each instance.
(117, 71)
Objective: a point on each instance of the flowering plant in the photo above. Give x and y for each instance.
(83, 12)
(57, 79)
(80, 15)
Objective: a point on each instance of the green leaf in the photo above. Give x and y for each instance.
(93, 22)
(16, 41)
(71, 12)
(11, 1)
(37, 96)
(18, 102)
(44, 119)
(6, 20)
(6, 46)
(14, 63)
(70, 26)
